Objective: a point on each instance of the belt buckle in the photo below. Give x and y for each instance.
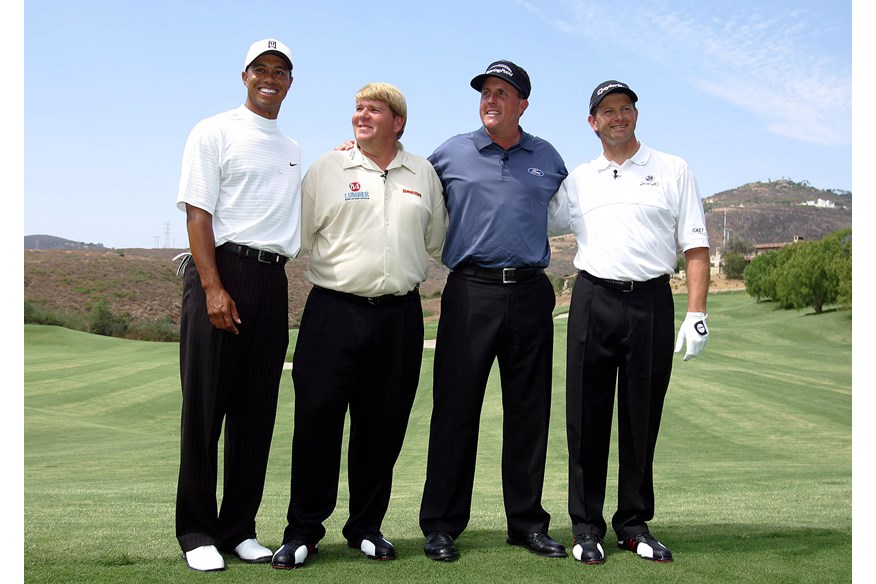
(509, 275)
(373, 301)
(631, 283)
(267, 254)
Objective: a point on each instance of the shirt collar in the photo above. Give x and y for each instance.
(256, 119)
(640, 158)
(483, 140)
(356, 158)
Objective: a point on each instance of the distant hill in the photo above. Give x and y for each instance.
(776, 212)
(52, 242)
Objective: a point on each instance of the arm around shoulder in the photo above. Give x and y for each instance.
(559, 216)
(436, 231)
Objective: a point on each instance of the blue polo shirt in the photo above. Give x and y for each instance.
(498, 200)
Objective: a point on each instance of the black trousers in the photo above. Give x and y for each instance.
(351, 353)
(482, 321)
(233, 379)
(624, 340)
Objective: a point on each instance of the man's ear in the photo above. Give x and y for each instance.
(524, 103)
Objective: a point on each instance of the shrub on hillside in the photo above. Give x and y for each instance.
(162, 330)
(34, 314)
(102, 321)
(734, 265)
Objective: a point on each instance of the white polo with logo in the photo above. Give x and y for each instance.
(634, 219)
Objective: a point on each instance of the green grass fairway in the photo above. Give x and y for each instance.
(753, 468)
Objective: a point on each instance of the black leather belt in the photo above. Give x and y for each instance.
(504, 275)
(624, 285)
(266, 257)
(372, 300)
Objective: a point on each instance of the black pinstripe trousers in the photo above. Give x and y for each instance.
(230, 379)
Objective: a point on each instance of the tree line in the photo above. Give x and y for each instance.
(803, 274)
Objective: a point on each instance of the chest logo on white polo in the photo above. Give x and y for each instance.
(535, 171)
(649, 182)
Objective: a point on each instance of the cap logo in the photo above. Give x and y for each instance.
(611, 86)
(501, 69)
(272, 44)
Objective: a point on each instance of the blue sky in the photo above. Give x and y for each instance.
(745, 91)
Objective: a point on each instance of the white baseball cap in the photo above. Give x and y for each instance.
(272, 46)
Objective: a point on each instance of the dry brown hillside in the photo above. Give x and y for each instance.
(142, 283)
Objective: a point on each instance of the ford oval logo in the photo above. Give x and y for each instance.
(536, 172)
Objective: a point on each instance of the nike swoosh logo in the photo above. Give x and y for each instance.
(290, 164)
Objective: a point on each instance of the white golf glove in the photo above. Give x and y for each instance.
(695, 332)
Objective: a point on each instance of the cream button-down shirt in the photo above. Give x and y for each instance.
(370, 232)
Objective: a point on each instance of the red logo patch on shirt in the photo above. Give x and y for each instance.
(354, 186)
(410, 192)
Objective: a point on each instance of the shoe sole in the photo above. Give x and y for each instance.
(543, 555)
(263, 560)
(443, 556)
(282, 567)
(222, 569)
(208, 570)
(591, 562)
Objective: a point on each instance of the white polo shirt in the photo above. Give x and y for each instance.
(371, 233)
(239, 167)
(632, 220)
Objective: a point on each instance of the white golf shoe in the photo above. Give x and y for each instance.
(205, 559)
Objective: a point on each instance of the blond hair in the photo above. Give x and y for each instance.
(391, 96)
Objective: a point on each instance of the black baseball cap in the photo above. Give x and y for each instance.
(506, 71)
(607, 88)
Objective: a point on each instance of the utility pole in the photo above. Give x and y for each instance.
(720, 256)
